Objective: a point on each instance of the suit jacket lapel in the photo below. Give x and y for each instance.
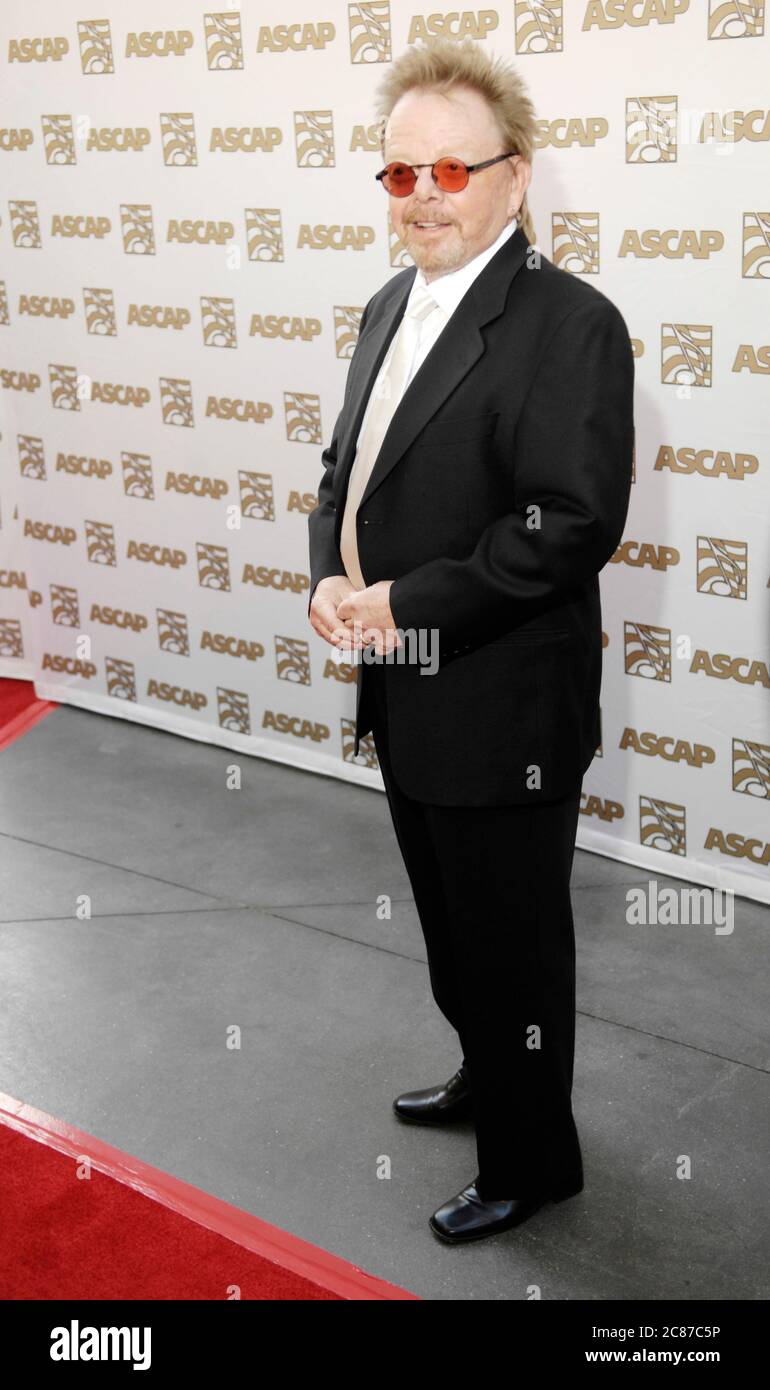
(458, 348)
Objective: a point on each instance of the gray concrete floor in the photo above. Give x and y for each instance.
(257, 908)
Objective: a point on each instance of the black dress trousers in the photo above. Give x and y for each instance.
(491, 888)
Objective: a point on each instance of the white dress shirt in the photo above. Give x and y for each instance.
(447, 290)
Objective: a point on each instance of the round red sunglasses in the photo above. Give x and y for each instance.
(450, 174)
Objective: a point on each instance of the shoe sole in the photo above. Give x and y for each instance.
(420, 1120)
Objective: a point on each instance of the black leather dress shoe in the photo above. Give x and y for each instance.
(469, 1217)
(440, 1105)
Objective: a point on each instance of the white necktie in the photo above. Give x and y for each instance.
(387, 392)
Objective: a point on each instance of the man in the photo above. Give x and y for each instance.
(477, 481)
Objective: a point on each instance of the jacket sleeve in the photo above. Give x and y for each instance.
(573, 451)
(325, 558)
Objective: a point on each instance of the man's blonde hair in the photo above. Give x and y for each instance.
(443, 64)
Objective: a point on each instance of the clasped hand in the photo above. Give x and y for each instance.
(351, 618)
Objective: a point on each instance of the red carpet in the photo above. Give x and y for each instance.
(65, 1236)
(20, 708)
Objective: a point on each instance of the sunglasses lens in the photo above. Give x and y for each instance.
(399, 180)
(451, 175)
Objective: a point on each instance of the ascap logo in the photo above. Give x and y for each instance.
(158, 43)
(31, 456)
(751, 767)
(651, 130)
(110, 139)
(751, 359)
(686, 353)
(224, 44)
(296, 726)
(736, 19)
(173, 632)
(66, 388)
(314, 139)
(672, 750)
(177, 135)
(722, 667)
(45, 50)
(256, 493)
(58, 140)
(137, 229)
(303, 417)
(225, 645)
(233, 710)
(80, 466)
(11, 643)
(346, 328)
(176, 694)
(118, 617)
(231, 408)
(647, 651)
(573, 130)
(292, 660)
(722, 567)
(335, 238)
(80, 225)
(176, 401)
(213, 567)
(218, 321)
(601, 807)
(576, 241)
(120, 677)
(710, 463)
(662, 825)
(270, 577)
(49, 531)
(25, 224)
(730, 127)
(100, 312)
(458, 24)
(65, 609)
(70, 665)
(158, 316)
(19, 381)
(640, 553)
(756, 246)
(245, 139)
(369, 32)
(539, 28)
(117, 393)
(96, 57)
(612, 14)
(675, 245)
(196, 485)
(284, 326)
(100, 543)
(264, 236)
(154, 554)
(15, 138)
(137, 476)
(297, 37)
(738, 846)
(202, 233)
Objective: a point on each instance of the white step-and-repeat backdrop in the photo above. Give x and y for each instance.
(190, 227)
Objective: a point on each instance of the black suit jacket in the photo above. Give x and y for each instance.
(499, 493)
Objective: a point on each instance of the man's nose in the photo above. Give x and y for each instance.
(426, 184)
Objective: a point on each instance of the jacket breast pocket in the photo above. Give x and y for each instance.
(462, 430)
